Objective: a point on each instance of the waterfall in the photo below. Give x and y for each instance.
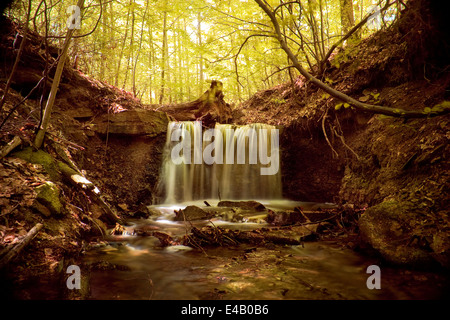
(228, 162)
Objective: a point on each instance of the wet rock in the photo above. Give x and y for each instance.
(283, 218)
(233, 215)
(387, 228)
(246, 205)
(192, 213)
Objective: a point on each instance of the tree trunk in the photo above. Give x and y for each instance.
(164, 58)
(116, 83)
(347, 18)
(56, 79)
(200, 46)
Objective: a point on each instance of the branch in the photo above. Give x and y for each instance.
(240, 49)
(86, 34)
(351, 32)
(389, 111)
(11, 254)
(277, 71)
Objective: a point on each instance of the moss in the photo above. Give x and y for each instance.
(42, 158)
(388, 228)
(52, 167)
(48, 195)
(66, 170)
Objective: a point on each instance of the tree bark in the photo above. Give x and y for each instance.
(164, 58)
(347, 17)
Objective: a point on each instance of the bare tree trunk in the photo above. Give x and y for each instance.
(164, 58)
(139, 50)
(200, 63)
(56, 79)
(116, 83)
(131, 46)
(347, 17)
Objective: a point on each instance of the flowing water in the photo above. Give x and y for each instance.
(227, 162)
(133, 267)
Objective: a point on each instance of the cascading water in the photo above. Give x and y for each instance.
(228, 162)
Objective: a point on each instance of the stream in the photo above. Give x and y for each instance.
(136, 267)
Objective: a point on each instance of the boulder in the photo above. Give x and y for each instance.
(389, 228)
(192, 213)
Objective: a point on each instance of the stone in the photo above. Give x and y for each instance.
(283, 218)
(245, 205)
(48, 195)
(386, 227)
(192, 213)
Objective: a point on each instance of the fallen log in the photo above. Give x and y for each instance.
(14, 251)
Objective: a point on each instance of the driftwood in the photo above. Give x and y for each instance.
(14, 251)
(210, 107)
(217, 236)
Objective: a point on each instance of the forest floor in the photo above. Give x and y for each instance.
(377, 71)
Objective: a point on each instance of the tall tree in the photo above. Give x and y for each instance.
(165, 55)
(347, 17)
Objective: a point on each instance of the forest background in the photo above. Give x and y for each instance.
(167, 52)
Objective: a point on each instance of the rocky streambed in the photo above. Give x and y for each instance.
(138, 262)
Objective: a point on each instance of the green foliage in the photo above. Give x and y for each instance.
(339, 105)
(437, 108)
(156, 47)
(278, 101)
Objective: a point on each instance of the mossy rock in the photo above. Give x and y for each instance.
(388, 228)
(55, 169)
(42, 158)
(48, 195)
